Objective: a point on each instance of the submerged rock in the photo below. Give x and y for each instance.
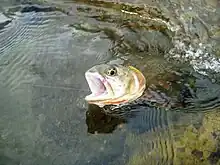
(197, 145)
(4, 21)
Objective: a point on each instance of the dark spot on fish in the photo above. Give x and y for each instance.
(185, 94)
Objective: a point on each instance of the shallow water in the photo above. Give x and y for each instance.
(45, 49)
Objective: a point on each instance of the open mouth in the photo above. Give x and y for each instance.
(96, 85)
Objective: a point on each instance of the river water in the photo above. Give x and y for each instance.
(45, 49)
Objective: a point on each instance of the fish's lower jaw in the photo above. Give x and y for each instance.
(102, 103)
(118, 101)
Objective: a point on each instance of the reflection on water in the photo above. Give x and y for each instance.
(99, 122)
(45, 50)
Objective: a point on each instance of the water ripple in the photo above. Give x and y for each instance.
(158, 143)
(152, 136)
(152, 119)
(26, 31)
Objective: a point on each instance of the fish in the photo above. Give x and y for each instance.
(114, 84)
(118, 85)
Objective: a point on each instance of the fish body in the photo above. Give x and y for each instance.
(114, 84)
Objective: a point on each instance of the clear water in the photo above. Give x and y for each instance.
(45, 49)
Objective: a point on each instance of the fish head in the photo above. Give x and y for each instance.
(114, 84)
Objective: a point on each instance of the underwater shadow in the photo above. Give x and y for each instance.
(98, 121)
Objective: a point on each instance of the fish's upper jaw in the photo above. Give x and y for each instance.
(96, 85)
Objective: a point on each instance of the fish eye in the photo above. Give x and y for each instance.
(111, 72)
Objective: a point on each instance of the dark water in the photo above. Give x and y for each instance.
(45, 49)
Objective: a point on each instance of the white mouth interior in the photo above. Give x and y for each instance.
(96, 86)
